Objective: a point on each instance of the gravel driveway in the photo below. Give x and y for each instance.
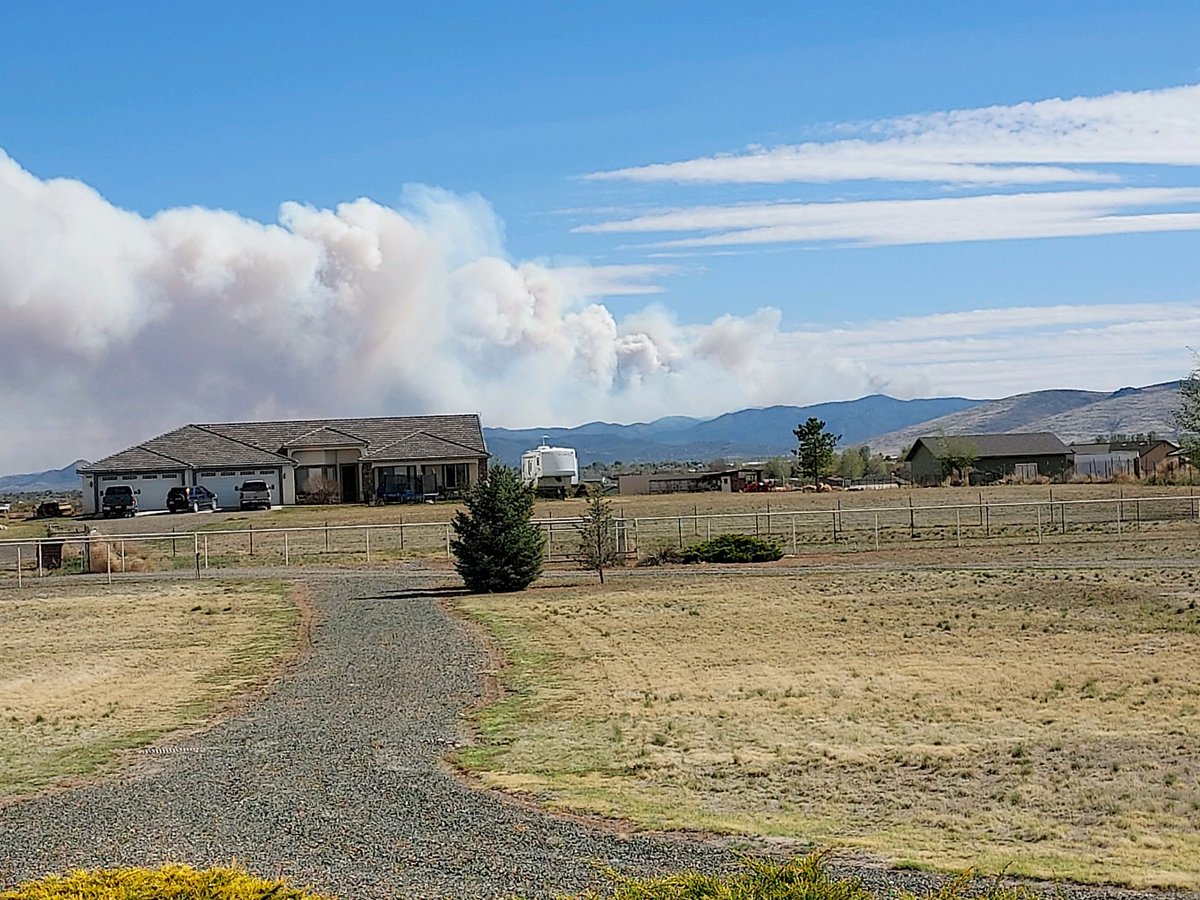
(336, 780)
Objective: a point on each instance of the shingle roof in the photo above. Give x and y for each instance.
(419, 445)
(256, 444)
(994, 445)
(190, 446)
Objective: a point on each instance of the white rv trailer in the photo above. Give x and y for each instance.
(553, 471)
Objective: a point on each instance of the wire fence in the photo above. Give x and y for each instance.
(797, 532)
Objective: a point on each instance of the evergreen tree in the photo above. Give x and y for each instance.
(814, 455)
(597, 536)
(497, 549)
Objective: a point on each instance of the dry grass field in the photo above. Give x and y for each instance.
(87, 673)
(1042, 722)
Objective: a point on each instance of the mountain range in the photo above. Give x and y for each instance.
(52, 481)
(884, 424)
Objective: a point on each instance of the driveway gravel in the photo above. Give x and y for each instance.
(336, 779)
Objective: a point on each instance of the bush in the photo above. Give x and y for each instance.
(497, 548)
(177, 882)
(661, 555)
(733, 548)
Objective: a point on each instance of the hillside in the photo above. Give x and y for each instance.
(52, 481)
(1072, 415)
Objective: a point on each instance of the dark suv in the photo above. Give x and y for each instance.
(181, 499)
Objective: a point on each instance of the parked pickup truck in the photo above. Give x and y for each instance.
(118, 500)
(254, 494)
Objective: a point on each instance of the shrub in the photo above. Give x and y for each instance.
(177, 882)
(497, 548)
(661, 555)
(733, 548)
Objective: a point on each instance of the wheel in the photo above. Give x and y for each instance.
(196, 506)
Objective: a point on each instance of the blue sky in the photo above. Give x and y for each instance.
(556, 212)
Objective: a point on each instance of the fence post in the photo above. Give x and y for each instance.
(876, 531)
(39, 558)
(912, 519)
(448, 553)
(206, 551)
(1038, 507)
(172, 541)
(196, 551)
(368, 546)
(958, 526)
(122, 557)
(250, 531)
(286, 556)
(327, 535)
(987, 519)
(833, 516)
(1137, 509)
(793, 534)
(1062, 515)
(19, 573)
(1118, 518)
(679, 524)
(108, 561)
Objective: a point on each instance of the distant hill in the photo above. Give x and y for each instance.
(52, 481)
(745, 434)
(1071, 415)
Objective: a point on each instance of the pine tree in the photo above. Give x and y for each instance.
(597, 536)
(814, 453)
(497, 549)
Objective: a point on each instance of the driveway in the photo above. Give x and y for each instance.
(336, 779)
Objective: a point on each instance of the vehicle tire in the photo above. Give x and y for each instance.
(196, 507)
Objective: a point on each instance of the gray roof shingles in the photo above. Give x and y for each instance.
(235, 444)
(1041, 443)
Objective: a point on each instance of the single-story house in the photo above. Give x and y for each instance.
(728, 481)
(327, 460)
(1023, 457)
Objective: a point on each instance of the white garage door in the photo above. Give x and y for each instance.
(224, 483)
(151, 488)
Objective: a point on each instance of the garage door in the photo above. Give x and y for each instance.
(151, 488)
(224, 483)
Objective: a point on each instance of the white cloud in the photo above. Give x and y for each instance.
(1027, 143)
(940, 220)
(115, 327)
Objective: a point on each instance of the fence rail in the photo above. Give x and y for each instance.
(849, 529)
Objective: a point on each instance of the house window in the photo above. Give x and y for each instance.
(208, 474)
(264, 472)
(456, 476)
(147, 477)
(108, 477)
(246, 472)
(229, 471)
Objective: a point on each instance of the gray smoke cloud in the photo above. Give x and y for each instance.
(116, 326)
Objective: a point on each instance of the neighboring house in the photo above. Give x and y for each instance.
(728, 481)
(1021, 457)
(1134, 459)
(339, 460)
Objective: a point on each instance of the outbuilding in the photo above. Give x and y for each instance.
(327, 460)
(1020, 457)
